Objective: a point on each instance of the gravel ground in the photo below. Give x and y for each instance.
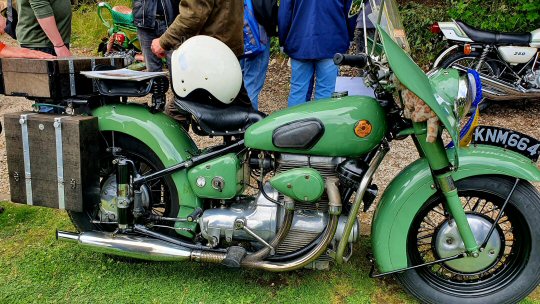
(518, 115)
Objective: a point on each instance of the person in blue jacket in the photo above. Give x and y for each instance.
(311, 33)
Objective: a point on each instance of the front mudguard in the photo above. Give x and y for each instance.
(164, 137)
(414, 186)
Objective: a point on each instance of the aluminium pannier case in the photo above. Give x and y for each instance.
(52, 159)
(51, 79)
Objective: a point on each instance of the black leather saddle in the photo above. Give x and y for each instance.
(497, 38)
(217, 120)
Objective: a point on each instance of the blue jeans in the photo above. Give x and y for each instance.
(254, 71)
(153, 63)
(303, 70)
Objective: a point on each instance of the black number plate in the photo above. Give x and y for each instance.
(508, 139)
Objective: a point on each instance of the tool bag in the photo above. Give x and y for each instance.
(53, 160)
(52, 80)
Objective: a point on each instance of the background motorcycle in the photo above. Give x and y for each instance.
(121, 37)
(508, 63)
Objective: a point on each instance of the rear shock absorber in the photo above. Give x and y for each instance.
(159, 88)
(123, 200)
(485, 52)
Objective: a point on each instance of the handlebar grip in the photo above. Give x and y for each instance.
(357, 61)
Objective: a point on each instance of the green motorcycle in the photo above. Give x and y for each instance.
(283, 192)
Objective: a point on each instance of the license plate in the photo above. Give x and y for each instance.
(508, 139)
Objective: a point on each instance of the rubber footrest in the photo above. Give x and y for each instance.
(234, 257)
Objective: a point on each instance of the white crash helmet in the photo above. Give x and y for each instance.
(204, 62)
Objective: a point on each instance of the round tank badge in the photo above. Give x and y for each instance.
(363, 128)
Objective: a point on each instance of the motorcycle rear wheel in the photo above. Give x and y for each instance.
(488, 68)
(163, 194)
(514, 271)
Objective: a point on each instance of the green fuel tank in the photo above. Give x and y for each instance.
(347, 127)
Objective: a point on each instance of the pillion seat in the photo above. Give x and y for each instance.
(497, 38)
(218, 120)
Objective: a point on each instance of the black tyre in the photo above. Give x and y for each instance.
(161, 194)
(506, 272)
(488, 67)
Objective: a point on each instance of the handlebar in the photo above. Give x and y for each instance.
(357, 61)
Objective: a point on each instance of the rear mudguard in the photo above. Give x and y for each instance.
(445, 53)
(164, 137)
(413, 187)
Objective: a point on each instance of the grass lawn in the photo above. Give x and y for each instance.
(35, 268)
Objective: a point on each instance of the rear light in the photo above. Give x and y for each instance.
(119, 38)
(435, 29)
(467, 49)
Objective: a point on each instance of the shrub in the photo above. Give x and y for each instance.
(498, 15)
(417, 20)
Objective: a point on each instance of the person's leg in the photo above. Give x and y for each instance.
(310, 88)
(153, 63)
(161, 28)
(302, 71)
(254, 71)
(326, 72)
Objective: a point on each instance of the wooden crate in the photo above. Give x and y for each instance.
(51, 79)
(60, 170)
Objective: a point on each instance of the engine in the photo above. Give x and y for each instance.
(253, 219)
(532, 78)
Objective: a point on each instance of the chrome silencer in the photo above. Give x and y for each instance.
(137, 247)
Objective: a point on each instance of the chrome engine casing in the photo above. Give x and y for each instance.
(264, 217)
(260, 217)
(533, 79)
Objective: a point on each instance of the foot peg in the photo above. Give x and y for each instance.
(234, 257)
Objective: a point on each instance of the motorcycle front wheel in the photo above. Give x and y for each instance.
(505, 272)
(160, 196)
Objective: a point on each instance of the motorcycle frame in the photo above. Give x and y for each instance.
(423, 178)
(404, 197)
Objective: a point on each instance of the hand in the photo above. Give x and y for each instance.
(16, 52)
(62, 52)
(157, 49)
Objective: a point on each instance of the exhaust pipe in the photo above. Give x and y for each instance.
(496, 89)
(137, 247)
(153, 249)
(327, 237)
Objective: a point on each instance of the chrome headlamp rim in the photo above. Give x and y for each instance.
(466, 94)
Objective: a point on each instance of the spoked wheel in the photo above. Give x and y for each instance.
(509, 267)
(488, 67)
(159, 196)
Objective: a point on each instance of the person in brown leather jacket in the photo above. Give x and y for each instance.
(221, 19)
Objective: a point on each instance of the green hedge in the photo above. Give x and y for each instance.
(418, 16)
(499, 15)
